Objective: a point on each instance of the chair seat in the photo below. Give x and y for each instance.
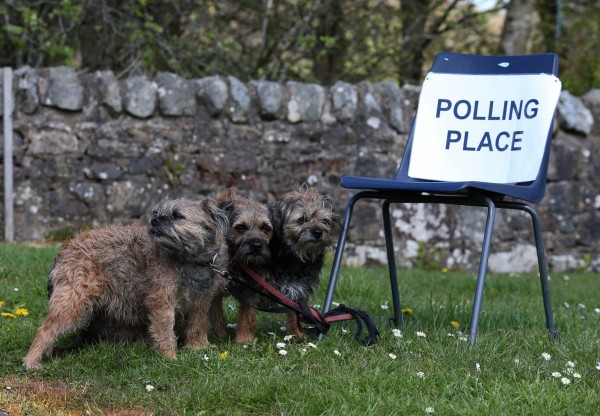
(394, 185)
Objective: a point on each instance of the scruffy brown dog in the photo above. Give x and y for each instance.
(248, 243)
(305, 224)
(139, 277)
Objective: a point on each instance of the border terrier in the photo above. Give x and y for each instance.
(137, 276)
(304, 227)
(248, 244)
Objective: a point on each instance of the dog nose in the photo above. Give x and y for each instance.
(256, 245)
(316, 232)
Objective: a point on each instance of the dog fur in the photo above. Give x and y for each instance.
(137, 279)
(248, 243)
(305, 224)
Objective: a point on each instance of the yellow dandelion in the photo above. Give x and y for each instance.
(1, 303)
(8, 315)
(223, 355)
(445, 270)
(21, 312)
(407, 311)
(455, 324)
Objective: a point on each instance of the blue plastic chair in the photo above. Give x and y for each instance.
(405, 189)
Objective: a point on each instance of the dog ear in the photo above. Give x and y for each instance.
(335, 216)
(276, 217)
(228, 206)
(288, 203)
(218, 215)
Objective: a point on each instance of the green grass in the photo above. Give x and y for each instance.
(256, 380)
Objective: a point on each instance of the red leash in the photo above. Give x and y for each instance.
(290, 303)
(318, 323)
(306, 314)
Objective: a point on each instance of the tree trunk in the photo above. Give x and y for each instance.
(518, 25)
(414, 14)
(331, 44)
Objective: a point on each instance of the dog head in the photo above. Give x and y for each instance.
(192, 231)
(250, 229)
(305, 222)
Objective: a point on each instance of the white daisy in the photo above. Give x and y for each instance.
(429, 409)
(556, 374)
(421, 334)
(280, 345)
(282, 352)
(392, 356)
(420, 374)
(565, 381)
(546, 356)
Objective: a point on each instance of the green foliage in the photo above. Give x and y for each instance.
(174, 169)
(308, 41)
(429, 257)
(65, 233)
(504, 374)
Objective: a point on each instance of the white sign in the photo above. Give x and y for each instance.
(486, 128)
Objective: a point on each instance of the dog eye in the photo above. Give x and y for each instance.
(178, 215)
(241, 228)
(302, 220)
(265, 228)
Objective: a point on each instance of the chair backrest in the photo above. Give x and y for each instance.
(505, 103)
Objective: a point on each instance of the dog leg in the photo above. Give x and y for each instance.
(196, 329)
(217, 317)
(162, 322)
(246, 325)
(60, 320)
(161, 308)
(292, 325)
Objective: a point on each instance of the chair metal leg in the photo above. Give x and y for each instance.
(389, 244)
(339, 252)
(485, 252)
(543, 268)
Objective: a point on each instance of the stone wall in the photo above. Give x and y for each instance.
(91, 149)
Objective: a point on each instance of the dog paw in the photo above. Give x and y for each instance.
(32, 366)
(244, 339)
(170, 354)
(297, 334)
(200, 346)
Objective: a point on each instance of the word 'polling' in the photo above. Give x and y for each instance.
(490, 111)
